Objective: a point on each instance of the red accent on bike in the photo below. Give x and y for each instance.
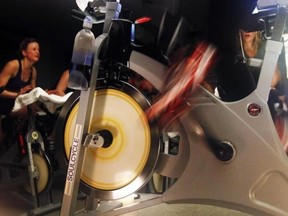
(143, 20)
(21, 142)
(254, 109)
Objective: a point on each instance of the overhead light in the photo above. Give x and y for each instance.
(82, 4)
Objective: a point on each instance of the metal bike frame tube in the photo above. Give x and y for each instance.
(81, 130)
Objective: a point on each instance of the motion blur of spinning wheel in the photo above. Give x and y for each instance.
(126, 163)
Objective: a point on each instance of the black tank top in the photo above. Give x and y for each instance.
(14, 85)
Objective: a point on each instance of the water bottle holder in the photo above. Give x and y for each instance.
(79, 78)
(85, 69)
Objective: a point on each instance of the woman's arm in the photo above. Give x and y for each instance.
(9, 70)
(61, 85)
(63, 82)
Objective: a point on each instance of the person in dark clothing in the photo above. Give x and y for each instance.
(18, 77)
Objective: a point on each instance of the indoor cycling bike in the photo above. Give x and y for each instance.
(229, 154)
(26, 164)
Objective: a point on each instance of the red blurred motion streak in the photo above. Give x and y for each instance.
(143, 20)
(183, 79)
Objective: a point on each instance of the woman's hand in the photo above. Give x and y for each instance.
(56, 92)
(25, 89)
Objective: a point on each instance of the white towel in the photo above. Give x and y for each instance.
(51, 101)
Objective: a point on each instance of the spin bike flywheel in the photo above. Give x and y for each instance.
(127, 164)
(43, 172)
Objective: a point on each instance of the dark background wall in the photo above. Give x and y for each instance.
(50, 22)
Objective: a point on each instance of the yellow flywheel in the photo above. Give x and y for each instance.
(125, 160)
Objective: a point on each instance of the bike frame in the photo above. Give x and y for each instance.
(253, 178)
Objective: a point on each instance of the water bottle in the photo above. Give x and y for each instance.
(82, 57)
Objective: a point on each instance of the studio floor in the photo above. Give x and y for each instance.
(17, 203)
